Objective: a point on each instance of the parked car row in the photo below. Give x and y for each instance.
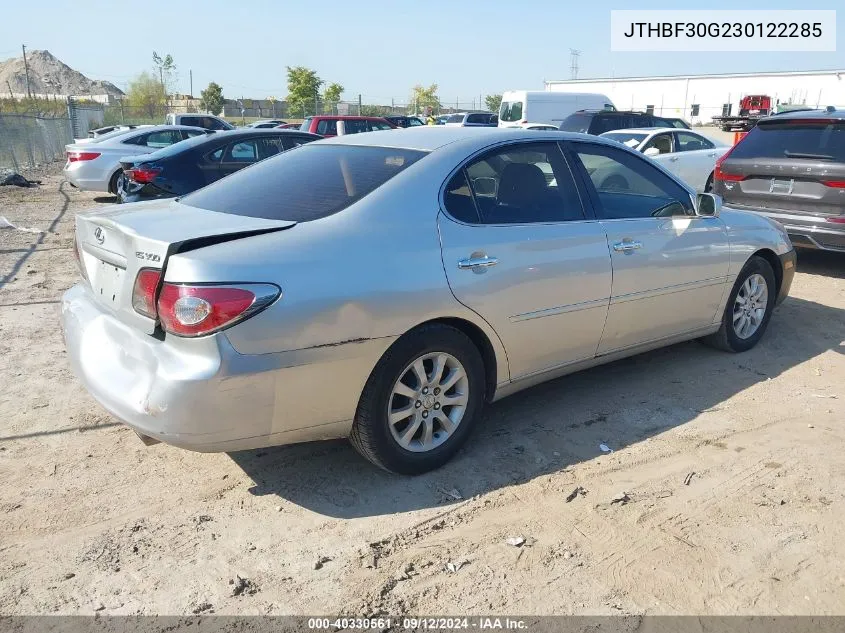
(220, 320)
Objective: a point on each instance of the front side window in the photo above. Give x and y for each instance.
(413, 122)
(628, 186)
(356, 126)
(327, 127)
(162, 138)
(688, 142)
(455, 118)
(529, 182)
(270, 146)
(510, 111)
(241, 152)
(379, 125)
(661, 142)
(313, 182)
(190, 120)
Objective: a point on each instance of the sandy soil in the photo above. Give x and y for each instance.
(732, 468)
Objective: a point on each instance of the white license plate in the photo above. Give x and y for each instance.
(781, 186)
(109, 283)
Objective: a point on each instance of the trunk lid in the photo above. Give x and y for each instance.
(790, 165)
(116, 243)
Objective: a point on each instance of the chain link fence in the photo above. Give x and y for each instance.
(27, 141)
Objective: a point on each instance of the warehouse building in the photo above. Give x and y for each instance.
(698, 98)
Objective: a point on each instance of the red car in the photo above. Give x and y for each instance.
(326, 125)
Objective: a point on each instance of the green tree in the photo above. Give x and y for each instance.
(211, 99)
(146, 95)
(493, 102)
(375, 110)
(423, 98)
(331, 95)
(303, 88)
(166, 70)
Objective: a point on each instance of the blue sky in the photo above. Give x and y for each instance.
(467, 47)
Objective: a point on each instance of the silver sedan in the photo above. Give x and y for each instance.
(385, 286)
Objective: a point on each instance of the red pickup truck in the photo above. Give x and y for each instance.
(326, 125)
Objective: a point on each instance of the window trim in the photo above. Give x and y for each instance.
(593, 193)
(586, 203)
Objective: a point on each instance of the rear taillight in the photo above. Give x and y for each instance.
(839, 220)
(142, 175)
(718, 174)
(836, 184)
(197, 310)
(73, 157)
(144, 292)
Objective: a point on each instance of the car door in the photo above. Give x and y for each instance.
(697, 158)
(239, 154)
(521, 250)
(670, 266)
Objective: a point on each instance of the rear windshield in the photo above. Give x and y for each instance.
(312, 182)
(823, 140)
(577, 123)
(181, 146)
(510, 111)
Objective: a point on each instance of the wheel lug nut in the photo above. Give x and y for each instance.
(436, 405)
(425, 414)
(437, 391)
(425, 390)
(418, 404)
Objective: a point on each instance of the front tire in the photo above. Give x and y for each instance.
(113, 182)
(421, 401)
(748, 309)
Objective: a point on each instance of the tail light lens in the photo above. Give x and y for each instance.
(144, 292)
(142, 175)
(191, 311)
(837, 184)
(73, 157)
(718, 174)
(840, 220)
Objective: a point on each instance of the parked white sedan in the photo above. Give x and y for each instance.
(95, 166)
(689, 155)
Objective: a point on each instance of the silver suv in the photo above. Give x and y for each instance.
(791, 168)
(207, 121)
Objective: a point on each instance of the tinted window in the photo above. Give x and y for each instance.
(524, 183)
(178, 148)
(296, 141)
(241, 152)
(270, 146)
(455, 118)
(800, 139)
(214, 124)
(356, 126)
(162, 138)
(688, 142)
(306, 125)
(607, 122)
(312, 182)
(657, 122)
(458, 200)
(578, 122)
(379, 125)
(413, 121)
(327, 126)
(191, 120)
(510, 111)
(629, 186)
(192, 133)
(478, 118)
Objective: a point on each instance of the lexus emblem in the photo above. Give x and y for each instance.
(100, 234)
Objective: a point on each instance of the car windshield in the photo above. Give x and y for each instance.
(313, 182)
(794, 139)
(510, 111)
(631, 139)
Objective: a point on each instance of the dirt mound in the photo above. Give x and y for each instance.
(49, 75)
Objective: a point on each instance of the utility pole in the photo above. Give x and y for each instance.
(574, 53)
(191, 75)
(26, 70)
(359, 104)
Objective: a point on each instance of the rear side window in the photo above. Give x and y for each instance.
(355, 126)
(478, 118)
(379, 125)
(313, 182)
(822, 140)
(455, 118)
(327, 126)
(574, 123)
(191, 120)
(605, 123)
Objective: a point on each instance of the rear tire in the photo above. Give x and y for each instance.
(708, 186)
(393, 442)
(113, 182)
(747, 312)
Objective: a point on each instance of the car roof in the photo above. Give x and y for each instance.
(429, 138)
(648, 130)
(343, 117)
(614, 112)
(838, 115)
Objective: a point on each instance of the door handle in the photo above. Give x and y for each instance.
(624, 247)
(477, 262)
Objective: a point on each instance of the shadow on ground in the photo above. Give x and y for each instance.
(823, 263)
(552, 426)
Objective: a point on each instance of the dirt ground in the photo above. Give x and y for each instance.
(732, 468)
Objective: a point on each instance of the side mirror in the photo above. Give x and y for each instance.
(484, 186)
(652, 151)
(708, 205)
